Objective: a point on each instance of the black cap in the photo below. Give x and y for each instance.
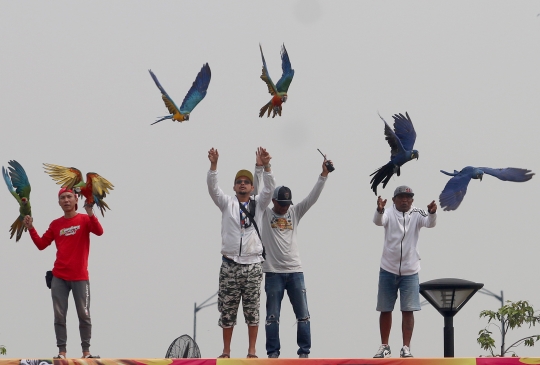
(282, 194)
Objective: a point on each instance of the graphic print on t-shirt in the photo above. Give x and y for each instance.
(70, 231)
(281, 223)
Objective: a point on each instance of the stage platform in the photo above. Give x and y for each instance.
(314, 361)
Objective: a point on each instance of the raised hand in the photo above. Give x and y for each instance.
(213, 156)
(380, 204)
(432, 207)
(264, 156)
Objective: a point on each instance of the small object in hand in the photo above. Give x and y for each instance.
(328, 164)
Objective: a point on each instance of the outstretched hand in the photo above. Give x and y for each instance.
(432, 207)
(213, 156)
(258, 160)
(325, 171)
(380, 204)
(263, 156)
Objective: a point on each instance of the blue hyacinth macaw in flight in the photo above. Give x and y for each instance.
(192, 98)
(401, 141)
(279, 90)
(456, 188)
(19, 186)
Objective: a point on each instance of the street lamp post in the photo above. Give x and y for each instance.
(196, 309)
(448, 296)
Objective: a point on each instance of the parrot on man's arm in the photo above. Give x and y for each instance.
(94, 189)
(192, 98)
(279, 90)
(19, 187)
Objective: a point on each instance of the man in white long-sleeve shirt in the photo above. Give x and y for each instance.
(283, 268)
(400, 264)
(240, 275)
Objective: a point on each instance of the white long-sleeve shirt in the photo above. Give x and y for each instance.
(279, 233)
(400, 252)
(240, 244)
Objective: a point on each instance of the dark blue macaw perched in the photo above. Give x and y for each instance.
(401, 141)
(19, 186)
(192, 98)
(456, 188)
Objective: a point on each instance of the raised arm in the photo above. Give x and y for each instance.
(258, 173)
(307, 203)
(265, 196)
(380, 217)
(214, 190)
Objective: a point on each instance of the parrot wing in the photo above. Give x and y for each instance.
(393, 140)
(169, 103)
(197, 91)
(454, 191)
(288, 73)
(509, 174)
(405, 130)
(100, 188)
(67, 177)
(10, 186)
(266, 76)
(19, 179)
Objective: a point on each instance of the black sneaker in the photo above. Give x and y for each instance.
(384, 352)
(273, 355)
(303, 356)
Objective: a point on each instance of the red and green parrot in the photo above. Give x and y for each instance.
(279, 90)
(94, 189)
(192, 98)
(19, 186)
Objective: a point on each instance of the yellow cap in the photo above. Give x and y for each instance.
(245, 173)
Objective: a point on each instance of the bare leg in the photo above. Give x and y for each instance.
(227, 337)
(252, 333)
(385, 324)
(407, 326)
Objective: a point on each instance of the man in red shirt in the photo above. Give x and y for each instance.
(71, 234)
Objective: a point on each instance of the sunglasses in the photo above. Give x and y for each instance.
(240, 181)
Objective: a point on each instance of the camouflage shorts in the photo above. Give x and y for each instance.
(237, 281)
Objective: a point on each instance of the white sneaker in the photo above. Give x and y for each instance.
(405, 352)
(384, 352)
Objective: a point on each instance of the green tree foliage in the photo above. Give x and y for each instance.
(508, 317)
(2, 350)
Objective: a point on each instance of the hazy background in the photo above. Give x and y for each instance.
(75, 91)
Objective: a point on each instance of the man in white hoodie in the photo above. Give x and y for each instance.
(400, 264)
(240, 275)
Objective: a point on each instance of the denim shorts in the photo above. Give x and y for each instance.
(409, 292)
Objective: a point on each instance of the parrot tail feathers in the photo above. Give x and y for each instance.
(17, 229)
(162, 118)
(264, 109)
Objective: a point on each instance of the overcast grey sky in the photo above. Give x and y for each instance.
(75, 91)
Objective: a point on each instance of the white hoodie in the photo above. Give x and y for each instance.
(400, 253)
(241, 245)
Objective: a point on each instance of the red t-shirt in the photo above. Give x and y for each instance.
(72, 238)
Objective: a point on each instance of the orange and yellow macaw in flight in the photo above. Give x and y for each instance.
(279, 90)
(94, 189)
(192, 98)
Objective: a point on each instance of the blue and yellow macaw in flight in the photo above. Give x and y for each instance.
(193, 97)
(19, 186)
(279, 90)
